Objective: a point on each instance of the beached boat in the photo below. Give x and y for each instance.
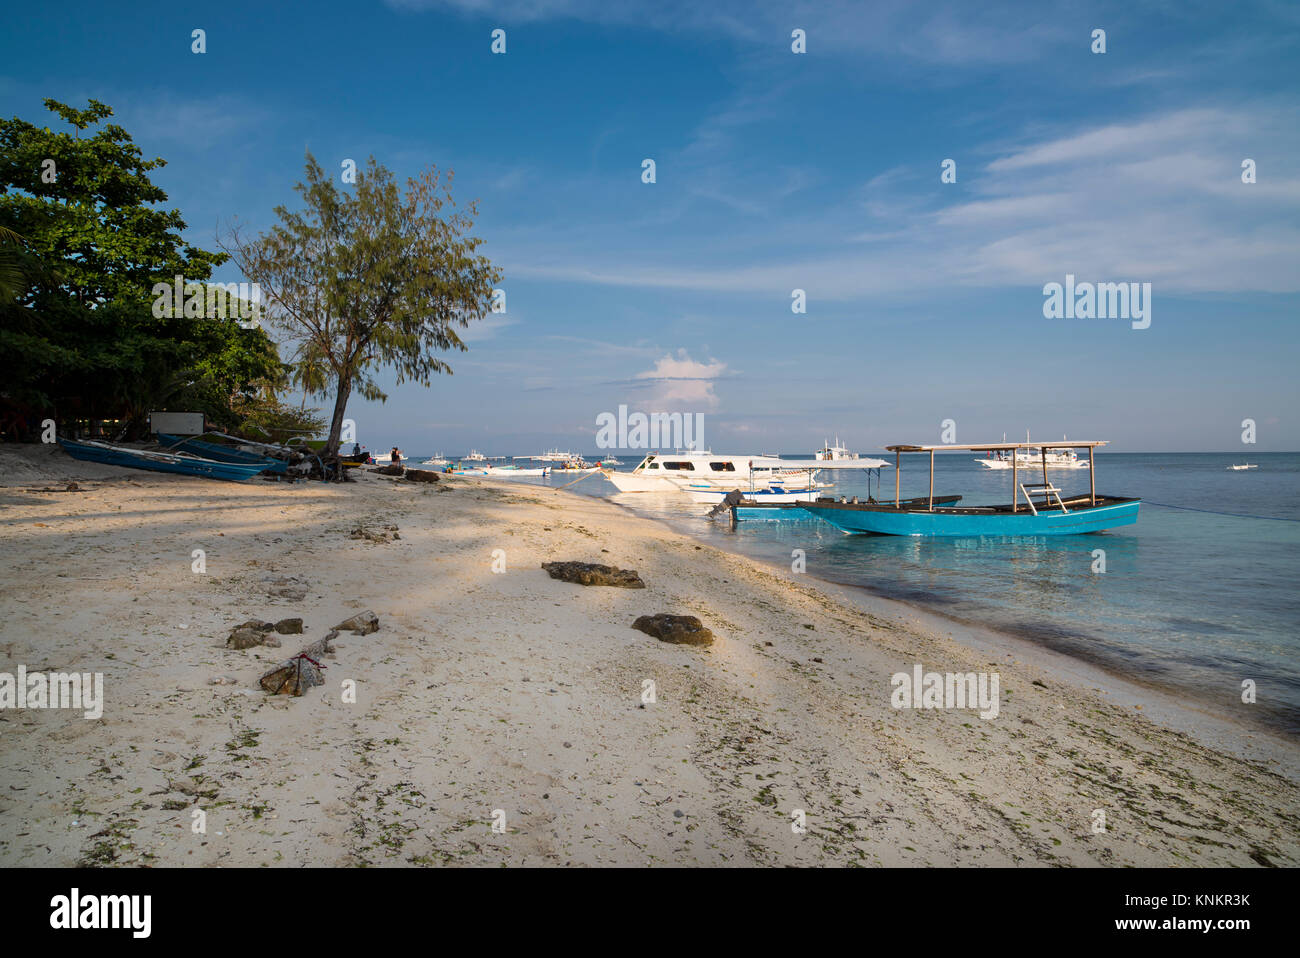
(1050, 516)
(1248, 465)
(210, 450)
(187, 465)
(518, 472)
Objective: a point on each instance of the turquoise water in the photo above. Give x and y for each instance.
(1191, 601)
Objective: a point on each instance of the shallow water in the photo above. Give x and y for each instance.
(1192, 601)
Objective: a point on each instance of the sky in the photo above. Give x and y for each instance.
(775, 171)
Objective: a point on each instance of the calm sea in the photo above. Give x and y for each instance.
(1194, 601)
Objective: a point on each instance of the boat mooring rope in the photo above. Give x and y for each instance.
(1214, 512)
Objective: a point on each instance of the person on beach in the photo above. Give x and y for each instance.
(397, 456)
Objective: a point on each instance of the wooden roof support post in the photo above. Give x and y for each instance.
(898, 460)
(932, 480)
(1015, 483)
(1092, 476)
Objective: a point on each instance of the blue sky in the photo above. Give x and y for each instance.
(775, 171)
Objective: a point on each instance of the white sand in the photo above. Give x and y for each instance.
(517, 692)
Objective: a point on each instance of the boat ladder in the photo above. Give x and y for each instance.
(1044, 489)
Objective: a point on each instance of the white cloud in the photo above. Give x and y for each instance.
(682, 383)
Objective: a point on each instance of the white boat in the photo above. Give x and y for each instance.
(475, 456)
(1248, 465)
(666, 472)
(610, 461)
(833, 453)
(437, 459)
(554, 455)
(517, 472)
(774, 493)
(1033, 458)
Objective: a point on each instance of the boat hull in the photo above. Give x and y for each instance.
(132, 459)
(794, 511)
(210, 450)
(886, 519)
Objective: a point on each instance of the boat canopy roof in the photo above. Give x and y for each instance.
(992, 446)
(771, 462)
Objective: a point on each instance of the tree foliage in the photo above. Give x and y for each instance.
(83, 240)
(368, 279)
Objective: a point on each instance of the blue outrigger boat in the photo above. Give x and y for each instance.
(161, 461)
(210, 450)
(1050, 516)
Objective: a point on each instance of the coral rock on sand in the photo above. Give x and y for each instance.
(592, 573)
(245, 638)
(363, 623)
(296, 675)
(289, 626)
(391, 470)
(422, 475)
(678, 629)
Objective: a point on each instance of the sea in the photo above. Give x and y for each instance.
(1198, 598)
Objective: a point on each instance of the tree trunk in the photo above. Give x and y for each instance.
(340, 407)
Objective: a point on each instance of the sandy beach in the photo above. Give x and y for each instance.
(514, 697)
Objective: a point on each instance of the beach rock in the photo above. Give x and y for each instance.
(592, 573)
(272, 640)
(245, 639)
(391, 470)
(678, 629)
(362, 623)
(257, 625)
(289, 627)
(422, 475)
(298, 674)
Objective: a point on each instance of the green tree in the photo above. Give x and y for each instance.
(79, 335)
(368, 279)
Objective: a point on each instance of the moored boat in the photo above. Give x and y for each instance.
(1051, 516)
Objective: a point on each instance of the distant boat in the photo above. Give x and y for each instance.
(475, 456)
(554, 455)
(517, 472)
(187, 465)
(437, 459)
(610, 461)
(829, 453)
(1051, 516)
(1248, 465)
(1032, 457)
